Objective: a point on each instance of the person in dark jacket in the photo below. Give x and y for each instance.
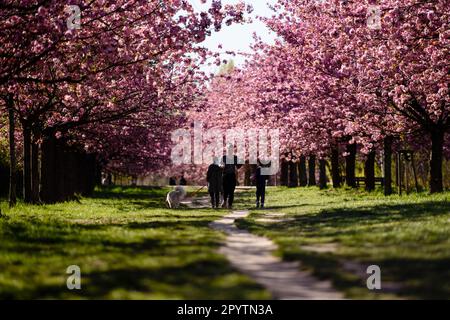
(172, 181)
(231, 165)
(214, 179)
(260, 181)
(183, 181)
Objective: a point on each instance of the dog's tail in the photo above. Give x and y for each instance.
(168, 202)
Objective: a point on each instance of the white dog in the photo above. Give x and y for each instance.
(175, 197)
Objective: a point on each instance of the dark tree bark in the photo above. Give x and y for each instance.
(302, 172)
(253, 169)
(65, 172)
(387, 165)
(322, 174)
(312, 171)
(437, 129)
(437, 146)
(61, 174)
(12, 154)
(72, 173)
(48, 171)
(293, 176)
(284, 175)
(26, 131)
(98, 173)
(85, 171)
(91, 175)
(369, 171)
(335, 174)
(247, 174)
(350, 165)
(35, 172)
(79, 167)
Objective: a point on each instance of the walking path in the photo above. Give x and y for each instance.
(252, 255)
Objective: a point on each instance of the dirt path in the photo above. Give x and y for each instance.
(252, 255)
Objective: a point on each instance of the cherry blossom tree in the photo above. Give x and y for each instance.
(118, 63)
(334, 78)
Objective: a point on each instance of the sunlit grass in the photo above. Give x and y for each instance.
(130, 247)
(408, 237)
(127, 245)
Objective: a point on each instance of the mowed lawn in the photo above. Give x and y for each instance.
(127, 245)
(338, 234)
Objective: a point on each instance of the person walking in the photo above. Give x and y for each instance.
(231, 165)
(260, 181)
(214, 179)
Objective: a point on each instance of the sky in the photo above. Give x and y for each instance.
(239, 38)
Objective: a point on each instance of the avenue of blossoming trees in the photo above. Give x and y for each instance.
(334, 86)
(107, 95)
(104, 94)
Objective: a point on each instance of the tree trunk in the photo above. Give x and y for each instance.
(27, 197)
(350, 165)
(312, 171)
(302, 172)
(335, 174)
(98, 174)
(61, 174)
(293, 176)
(437, 146)
(72, 174)
(12, 155)
(284, 175)
(247, 174)
(35, 172)
(91, 175)
(48, 170)
(387, 165)
(322, 174)
(369, 171)
(84, 173)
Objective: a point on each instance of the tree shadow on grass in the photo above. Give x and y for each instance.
(414, 278)
(152, 246)
(63, 233)
(172, 225)
(269, 207)
(194, 280)
(203, 275)
(200, 279)
(131, 193)
(427, 277)
(175, 259)
(371, 214)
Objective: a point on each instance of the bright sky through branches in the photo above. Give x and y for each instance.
(239, 38)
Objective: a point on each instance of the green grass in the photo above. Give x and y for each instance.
(127, 246)
(408, 237)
